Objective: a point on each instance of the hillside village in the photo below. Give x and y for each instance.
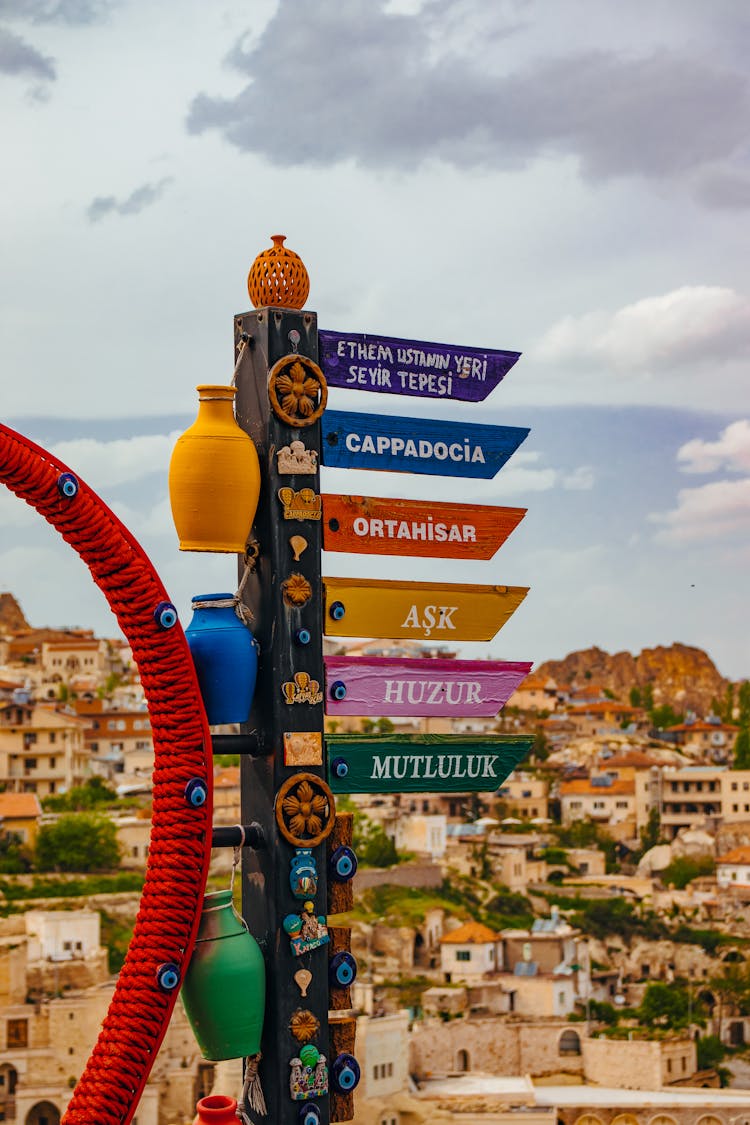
(570, 948)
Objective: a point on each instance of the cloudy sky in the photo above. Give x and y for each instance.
(569, 180)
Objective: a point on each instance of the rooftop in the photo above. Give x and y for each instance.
(471, 933)
(18, 805)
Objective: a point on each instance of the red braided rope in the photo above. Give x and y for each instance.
(109, 1089)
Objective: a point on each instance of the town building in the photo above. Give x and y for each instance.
(525, 796)
(19, 816)
(705, 738)
(733, 869)
(42, 749)
(602, 799)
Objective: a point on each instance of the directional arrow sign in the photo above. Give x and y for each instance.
(373, 526)
(358, 607)
(417, 445)
(411, 367)
(423, 763)
(361, 685)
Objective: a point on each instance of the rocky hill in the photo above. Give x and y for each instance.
(683, 676)
(12, 619)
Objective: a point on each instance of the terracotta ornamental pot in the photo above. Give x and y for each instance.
(224, 992)
(214, 477)
(225, 657)
(216, 1109)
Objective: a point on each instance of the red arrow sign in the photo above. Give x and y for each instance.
(373, 525)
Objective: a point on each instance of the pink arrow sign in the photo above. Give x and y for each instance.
(363, 685)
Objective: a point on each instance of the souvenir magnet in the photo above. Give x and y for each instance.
(304, 504)
(294, 458)
(297, 389)
(303, 980)
(309, 1074)
(303, 748)
(302, 689)
(299, 545)
(303, 876)
(296, 590)
(307, 931)
(304, 1025)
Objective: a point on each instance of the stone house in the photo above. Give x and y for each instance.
(733, 868)
(602, 799)
(469, 953)
(19, 816)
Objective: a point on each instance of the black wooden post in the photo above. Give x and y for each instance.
(281, 630)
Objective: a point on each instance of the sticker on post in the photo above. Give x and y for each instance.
(307, 931)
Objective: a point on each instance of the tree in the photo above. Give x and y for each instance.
(684, 869)
(665, 716)
(651, 833)
(635, 697)
(648, 697)
(742, 750)
(77, 842)
(81, 797)
(744, 704)
(664, 1005)
(373, 847)
(541, 747)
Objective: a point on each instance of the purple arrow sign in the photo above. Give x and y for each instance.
(361, 685)
(411, 367)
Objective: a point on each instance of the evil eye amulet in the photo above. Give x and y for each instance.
(309, 1114)
(342, 970)
(343, 864)
(345, 1073)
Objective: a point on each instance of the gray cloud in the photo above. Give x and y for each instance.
(19, 58)
(138, 200)
(72, 12)
(387, 89)
(724, 189)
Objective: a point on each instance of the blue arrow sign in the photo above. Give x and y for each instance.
(417, 445)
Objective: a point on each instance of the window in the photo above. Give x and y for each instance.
(621, 804)
(735, 808)
(734, 786)
(17, 1032)
(52, 736)
(463, 955)
(52, 763)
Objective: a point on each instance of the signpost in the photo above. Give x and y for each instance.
(357, 607)
(423, 763)
(417, 445)
(365, 685)
(298, 870)
(411, 367)
(370, 525)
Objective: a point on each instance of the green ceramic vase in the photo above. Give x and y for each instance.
(224, 992)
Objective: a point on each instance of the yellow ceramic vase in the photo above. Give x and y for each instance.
(214, 477)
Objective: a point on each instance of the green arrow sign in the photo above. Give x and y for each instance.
(423, 763)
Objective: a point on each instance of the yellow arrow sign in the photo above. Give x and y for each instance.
(357, 607)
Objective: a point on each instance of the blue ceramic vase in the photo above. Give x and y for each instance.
(226, 659)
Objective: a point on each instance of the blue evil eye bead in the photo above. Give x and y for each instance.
(67, 485)
(338, 690)
(309, 1114)
(342, 864)
(303, 637)
(168, 976)
(339, 767)
(345, 1073)
(165, 615)
(337, 610)
(342, 970)
(196, 792)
